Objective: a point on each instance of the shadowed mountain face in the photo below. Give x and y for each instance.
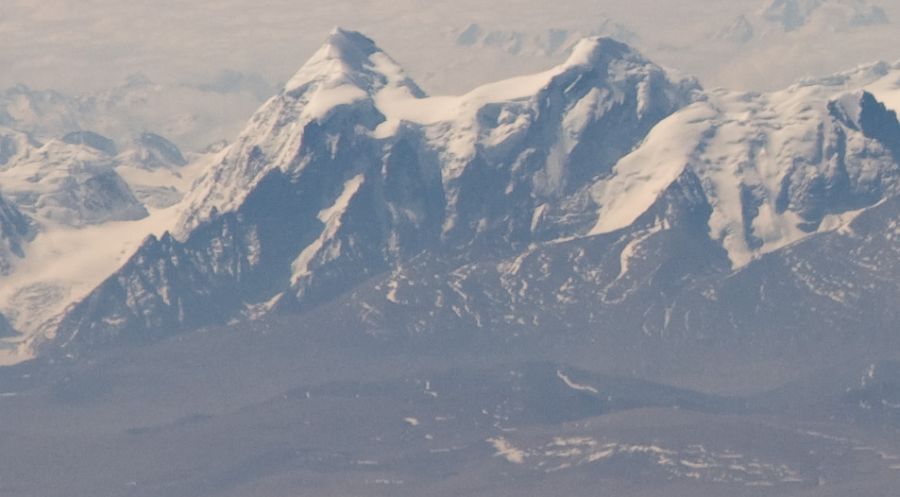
(92, 140)
(15, 230)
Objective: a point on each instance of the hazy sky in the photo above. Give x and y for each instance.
(93, 44)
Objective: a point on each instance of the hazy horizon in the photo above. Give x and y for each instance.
(94, 45)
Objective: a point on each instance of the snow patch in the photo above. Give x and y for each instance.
(331, 218)
(576, 386)
(641, 176)
(507, 451)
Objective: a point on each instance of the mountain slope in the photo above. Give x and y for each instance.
(599, 200)
(774, 167)
(787, 246)
(352, 169)
(15, 231)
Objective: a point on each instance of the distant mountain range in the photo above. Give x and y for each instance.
(194, 116)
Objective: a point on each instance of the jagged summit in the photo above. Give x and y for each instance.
(597, 51)
(351, 62)
(348, 42)
(338, 84)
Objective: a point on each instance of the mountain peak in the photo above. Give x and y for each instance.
(597, 50)
(349, 59)
(350, 42)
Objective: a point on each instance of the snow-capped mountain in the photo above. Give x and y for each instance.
(152, 151)
(82, 178)
(75, 208)
(601, 196)
(193, 116)
(773, 167)
(774, 219)
(352, 169)
(71, 183)
(153, 168)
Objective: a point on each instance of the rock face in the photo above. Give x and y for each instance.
(600, 198)
(15, 231)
